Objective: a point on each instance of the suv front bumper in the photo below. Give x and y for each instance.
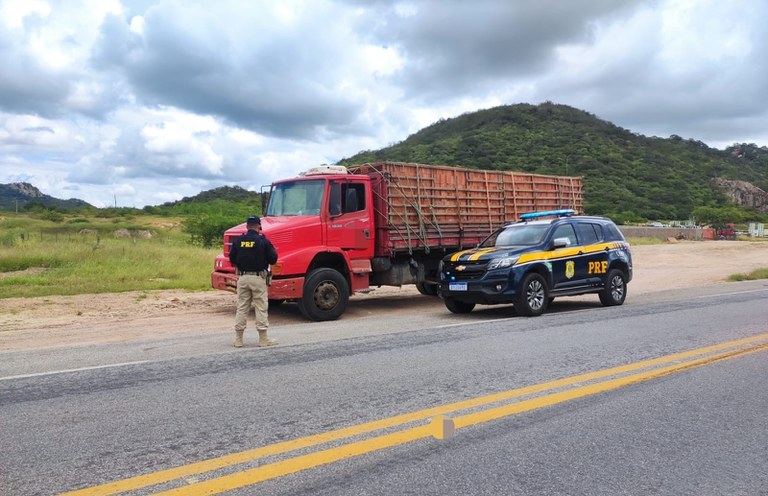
(487, 290)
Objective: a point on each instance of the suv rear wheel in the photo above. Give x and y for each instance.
(533, 297)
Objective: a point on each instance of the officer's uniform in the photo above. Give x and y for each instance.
(252, 254)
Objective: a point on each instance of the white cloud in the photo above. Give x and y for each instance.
(15, 12)
(183, 144)
(152, 100)
(22, 134)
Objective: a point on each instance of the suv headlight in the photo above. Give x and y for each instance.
(501, 263)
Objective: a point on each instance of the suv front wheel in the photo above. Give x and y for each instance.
(615, 291)
(456, 306)
(533, 297)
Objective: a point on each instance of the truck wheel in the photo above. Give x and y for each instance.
(615, 291)
(326, 294)
(458, 306)
(427, 289)
(533, 298)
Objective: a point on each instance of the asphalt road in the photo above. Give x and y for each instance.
(685, 424)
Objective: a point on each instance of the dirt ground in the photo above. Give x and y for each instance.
(102, 318)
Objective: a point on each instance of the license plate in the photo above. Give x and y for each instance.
(457, 286)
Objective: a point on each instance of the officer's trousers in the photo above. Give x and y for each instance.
(251, 290)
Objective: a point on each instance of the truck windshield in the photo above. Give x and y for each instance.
(515, 235)
(296, 198)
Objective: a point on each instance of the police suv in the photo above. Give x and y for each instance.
(530, 262)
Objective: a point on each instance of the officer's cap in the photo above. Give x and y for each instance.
(253, 220)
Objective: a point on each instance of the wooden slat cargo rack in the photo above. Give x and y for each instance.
(421, 206)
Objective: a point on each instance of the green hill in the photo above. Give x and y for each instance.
(227, 193)
(625, 174)
(231, 202)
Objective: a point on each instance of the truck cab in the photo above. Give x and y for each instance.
(320, 225)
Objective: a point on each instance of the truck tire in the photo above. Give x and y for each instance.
(326, 294)
(533, 298)
(615, 291)
(456, 306)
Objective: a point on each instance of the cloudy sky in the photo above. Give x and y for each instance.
(140, 102)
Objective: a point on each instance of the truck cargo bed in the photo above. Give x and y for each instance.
(424, 207)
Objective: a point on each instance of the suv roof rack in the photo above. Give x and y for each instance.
(549, 213)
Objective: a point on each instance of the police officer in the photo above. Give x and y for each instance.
(252, 254)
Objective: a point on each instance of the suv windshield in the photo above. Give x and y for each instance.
(515, 235)
(296, 198)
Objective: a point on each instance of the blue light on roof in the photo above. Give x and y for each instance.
(548, 213)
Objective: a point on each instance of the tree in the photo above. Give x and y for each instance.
(717, 217)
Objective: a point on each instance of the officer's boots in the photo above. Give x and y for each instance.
(264, 340)
(238, 339)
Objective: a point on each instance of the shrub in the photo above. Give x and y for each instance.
(12, 237)
(208, 230)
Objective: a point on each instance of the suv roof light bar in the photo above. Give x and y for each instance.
(559, 213)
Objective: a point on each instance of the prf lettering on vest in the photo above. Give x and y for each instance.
(598, 267)
(247, 244)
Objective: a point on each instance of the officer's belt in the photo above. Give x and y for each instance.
(259, 273)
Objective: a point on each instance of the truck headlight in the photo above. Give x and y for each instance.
(501, 263)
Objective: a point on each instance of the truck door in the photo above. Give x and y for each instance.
(349, 225)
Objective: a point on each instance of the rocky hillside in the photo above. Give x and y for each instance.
(15, 196)
(743, 193)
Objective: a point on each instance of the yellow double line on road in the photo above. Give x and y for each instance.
(616, 377)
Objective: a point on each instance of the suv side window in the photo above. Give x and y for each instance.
(613, 232)
(589, 233)
(565, 231)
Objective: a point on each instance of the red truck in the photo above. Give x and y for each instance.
(339, 230)
(728, 231)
